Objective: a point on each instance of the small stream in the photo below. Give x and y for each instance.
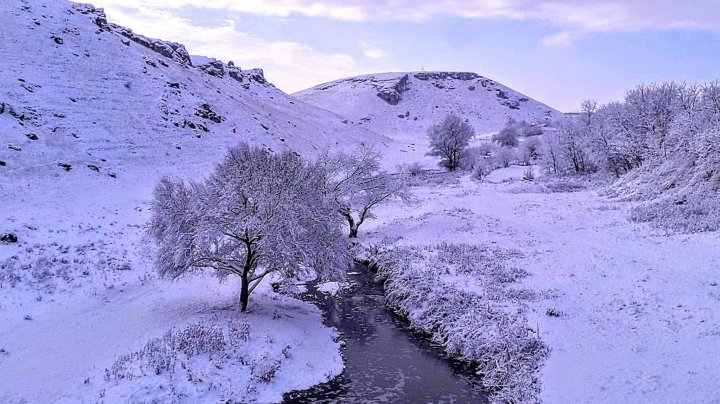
(385, 362)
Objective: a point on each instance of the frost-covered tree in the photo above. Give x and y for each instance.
(359, 184)
(661, 142)
(448, 139)
(259, 213)
(504, 157)
(508, 136)
(532, 130)
(529, 150)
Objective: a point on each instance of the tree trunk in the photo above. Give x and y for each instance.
(244, 291)
(351, 223)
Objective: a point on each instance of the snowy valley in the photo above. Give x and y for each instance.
(551, 257)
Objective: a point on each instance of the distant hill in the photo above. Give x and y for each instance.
(403, 105)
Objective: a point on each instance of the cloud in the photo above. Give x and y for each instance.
(574, 18)
(292, 66)
(371, 51)
(592, 15)
(563, 38)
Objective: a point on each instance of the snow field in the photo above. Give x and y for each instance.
(628, 313)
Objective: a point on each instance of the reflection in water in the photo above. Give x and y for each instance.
(384, 361)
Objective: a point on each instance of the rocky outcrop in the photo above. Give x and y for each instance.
(392, 95)
(219, 69)
(256, 75)
(97, 14)
(171, 50)
(215, 68)
(205, 111)
(425, 76)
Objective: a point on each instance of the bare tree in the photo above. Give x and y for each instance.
(359, 185)
(448, 139)
(259, 213)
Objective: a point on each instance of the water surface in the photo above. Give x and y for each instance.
(384, 361)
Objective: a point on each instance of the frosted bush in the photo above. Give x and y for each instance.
(413, 169)
(239, 331)
(507, 137)
(483, 167)
(448, 139)
(197, 339)
(161, 354)
(264, 368)
(689, 215)
(486, 149)
(212, 361)
(504, 157)
(484, 325)
(54, 267)
(529, 174)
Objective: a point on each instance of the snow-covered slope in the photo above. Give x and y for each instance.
(408, 103)
(91, 115)
(83, 95)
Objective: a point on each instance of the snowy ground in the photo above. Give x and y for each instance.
(78, 291)
(634, 318)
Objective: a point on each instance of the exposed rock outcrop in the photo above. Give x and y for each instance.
(215, 68)
(171, 50)
(97, 14)
(219, 69)
(393, 95)
(446, 75)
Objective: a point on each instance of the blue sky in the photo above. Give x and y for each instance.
(559, 52)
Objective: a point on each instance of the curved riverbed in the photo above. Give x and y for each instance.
(384, 361)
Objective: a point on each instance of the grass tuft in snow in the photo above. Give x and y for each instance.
(52, 268)
(203, 361)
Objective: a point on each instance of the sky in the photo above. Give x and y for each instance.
(559, 52)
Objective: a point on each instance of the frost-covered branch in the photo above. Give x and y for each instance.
(359, 185)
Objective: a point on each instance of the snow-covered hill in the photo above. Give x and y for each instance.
(408, 103)
(80, 95)
(91, 116)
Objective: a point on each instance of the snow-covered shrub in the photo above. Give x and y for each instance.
(529, 174)
(483, 167)
(674, 197)
(264, 368)
(161, 354)
(531, 130)
(507, 137)
(54, 267)
(504, 157)
(239, 331)
(486, 149)
(413, 169)
(203, 361)
(471, 156)
(529, 151)
(481, 321)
